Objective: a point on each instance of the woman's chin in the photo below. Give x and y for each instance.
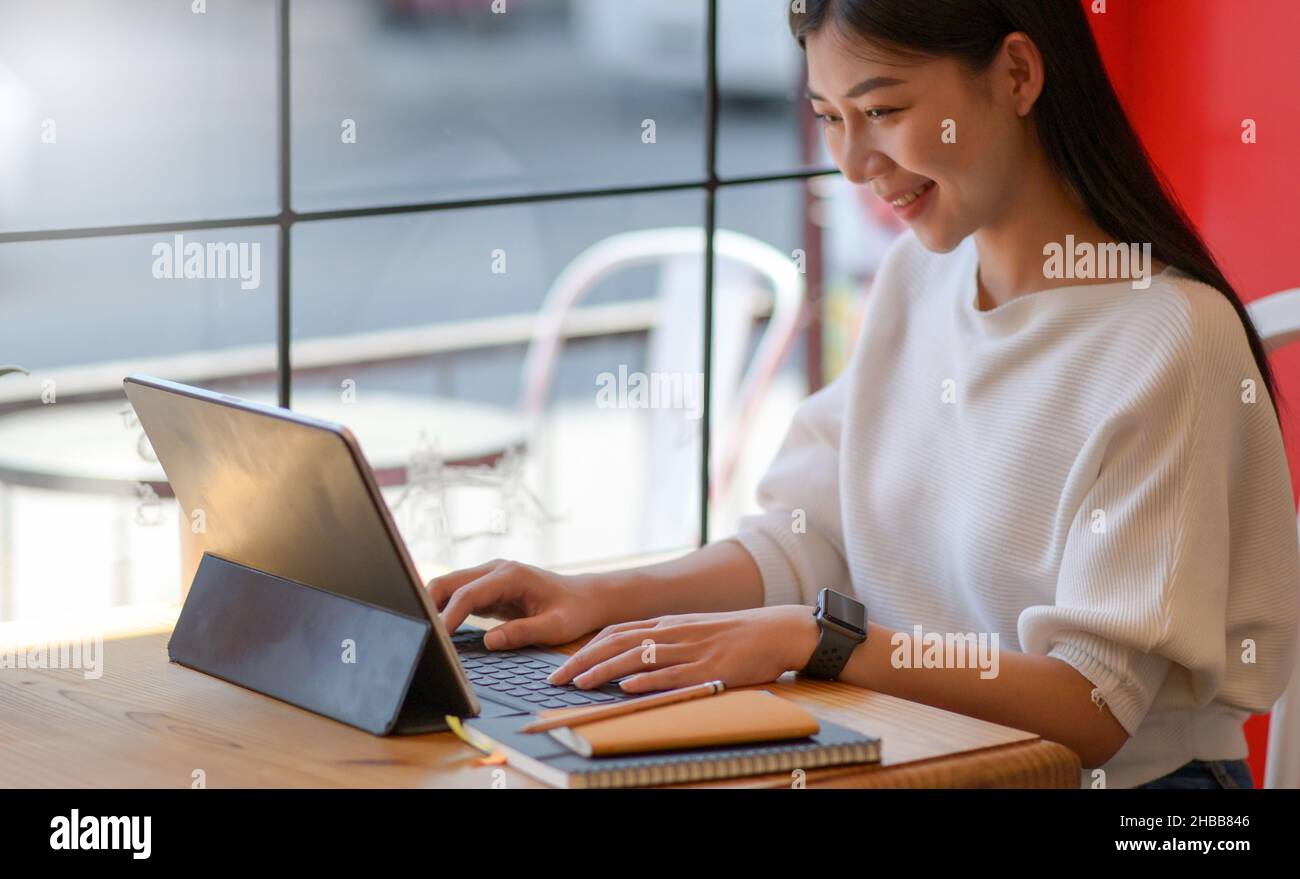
(935, 238)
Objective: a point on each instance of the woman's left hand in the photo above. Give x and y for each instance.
(739, 648)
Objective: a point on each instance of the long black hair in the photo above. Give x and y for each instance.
(1080, 123)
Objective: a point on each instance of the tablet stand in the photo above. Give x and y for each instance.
(346, 659)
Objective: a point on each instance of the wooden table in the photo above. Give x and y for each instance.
(148, 723)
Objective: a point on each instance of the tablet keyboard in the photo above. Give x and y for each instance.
(517, 678)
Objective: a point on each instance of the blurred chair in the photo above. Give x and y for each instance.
(749, 274)
(1277, 319)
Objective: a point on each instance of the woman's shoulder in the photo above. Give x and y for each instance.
(1195, 319)
(1195, 305)
(1197, 357)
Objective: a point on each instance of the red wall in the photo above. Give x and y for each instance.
(1189, 72)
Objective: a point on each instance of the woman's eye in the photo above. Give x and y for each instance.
(878, 113)
(826, 118)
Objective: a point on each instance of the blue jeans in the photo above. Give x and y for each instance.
(1205, 775)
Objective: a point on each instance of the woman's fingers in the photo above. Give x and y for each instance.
(498, 587)
(631, 636)
(683, 675)
(615, 628)
(633, 661)
(442, 588)
(539, 629)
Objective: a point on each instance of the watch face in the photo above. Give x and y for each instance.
(845, 611)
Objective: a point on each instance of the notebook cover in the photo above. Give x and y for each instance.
(731, 718)
(542, 757)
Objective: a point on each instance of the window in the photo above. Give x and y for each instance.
(392, 199)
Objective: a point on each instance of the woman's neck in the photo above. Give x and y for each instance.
(1040, 211)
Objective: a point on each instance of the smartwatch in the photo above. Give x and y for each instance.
(843, 623)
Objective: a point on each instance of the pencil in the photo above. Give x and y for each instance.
(602, 712)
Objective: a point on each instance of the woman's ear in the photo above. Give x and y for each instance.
(1020, 66)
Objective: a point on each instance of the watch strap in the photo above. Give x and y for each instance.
(833, 651)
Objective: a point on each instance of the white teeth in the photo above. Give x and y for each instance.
(912, 196)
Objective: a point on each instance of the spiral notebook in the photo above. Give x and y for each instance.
(548, 759)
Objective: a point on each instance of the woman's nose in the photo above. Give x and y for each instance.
(862, 160)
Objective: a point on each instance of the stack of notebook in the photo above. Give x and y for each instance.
(734, 734)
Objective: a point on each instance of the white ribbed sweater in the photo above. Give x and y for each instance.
(1078, 470)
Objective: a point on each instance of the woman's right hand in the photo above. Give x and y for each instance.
(539, 606)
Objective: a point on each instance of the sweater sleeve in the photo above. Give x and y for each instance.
(798, 541)
(1147, 586)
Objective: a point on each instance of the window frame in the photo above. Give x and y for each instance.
(286, 218)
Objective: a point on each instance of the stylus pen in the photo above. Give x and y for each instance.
(602, 712)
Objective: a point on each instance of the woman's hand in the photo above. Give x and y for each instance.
(739, 648)
(540, 607)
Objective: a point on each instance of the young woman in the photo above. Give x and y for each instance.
(1087, 473)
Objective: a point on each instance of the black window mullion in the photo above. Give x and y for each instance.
(283, 367)
(710, 227)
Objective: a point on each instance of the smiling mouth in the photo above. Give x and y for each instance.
(905, 200)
